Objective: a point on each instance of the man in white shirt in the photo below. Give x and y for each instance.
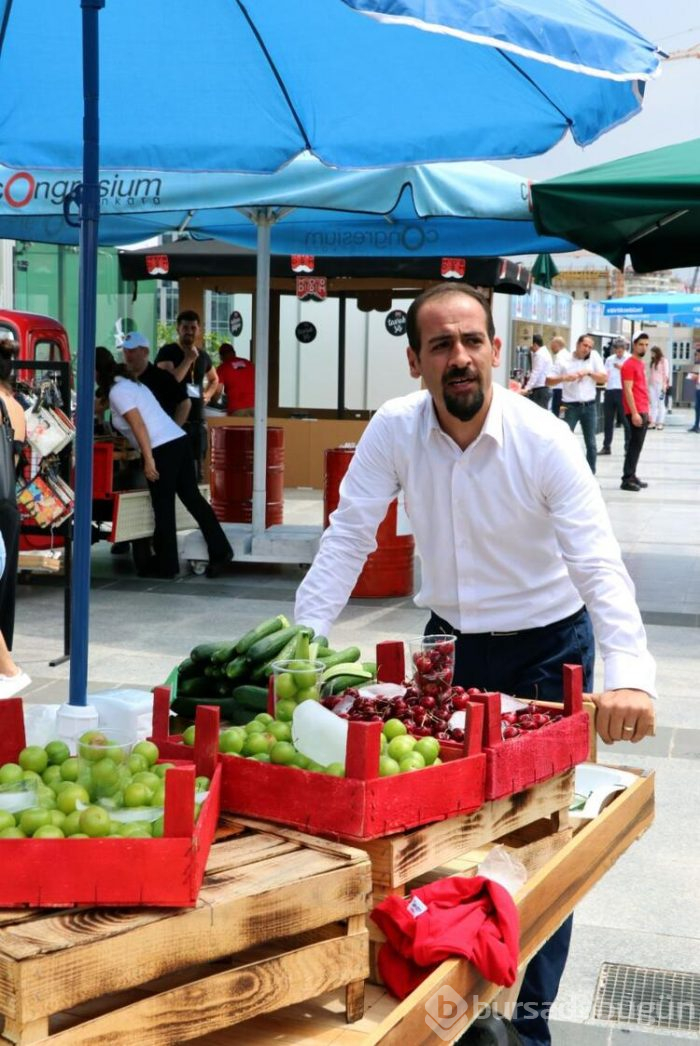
(559, 353)
(515, 544)
(579, 377)
(536, 387)
(613, 410)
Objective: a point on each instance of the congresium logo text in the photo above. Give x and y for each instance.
(22, 189)
(408, 238)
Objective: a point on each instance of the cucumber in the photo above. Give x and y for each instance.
(195, 687)
(262, 673)
(324, 652)
(321, 642)
(301, 652)
(225, 653)
(237, 668)
(188, 669)
(251, 697)
(340, 683)
(187, 706)
(265, 628)
(213, 671)
(268, 647)
(370, 666)
(348, 668)
(203, 652)
(341, 657)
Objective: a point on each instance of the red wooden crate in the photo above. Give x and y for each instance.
(520, 762)
(167, 872)
(359, 806)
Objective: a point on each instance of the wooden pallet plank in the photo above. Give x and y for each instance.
(226, 998)
(282, 897)
(399, 858)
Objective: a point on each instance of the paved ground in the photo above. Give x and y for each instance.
(646, 911)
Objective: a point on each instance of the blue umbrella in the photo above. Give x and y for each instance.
(247, 85)
(667, 305)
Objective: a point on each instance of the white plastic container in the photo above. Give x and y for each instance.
(125, 709)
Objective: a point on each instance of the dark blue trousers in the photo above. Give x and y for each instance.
(528, 664)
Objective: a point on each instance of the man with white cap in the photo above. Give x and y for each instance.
(613, 409)
(169, 393)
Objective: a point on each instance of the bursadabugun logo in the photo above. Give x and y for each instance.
(443, 1010)
(24, 189)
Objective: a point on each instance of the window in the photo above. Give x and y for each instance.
(47, 351)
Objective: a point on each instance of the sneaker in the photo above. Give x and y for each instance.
(630, 485)
(640, 483)
(605, 450)
(11, 685)
(693, 429)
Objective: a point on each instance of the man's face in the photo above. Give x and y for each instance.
(187, 333)
(640, 346)
(584, 348)
(456, 356)
(135, 360)
(619, 351)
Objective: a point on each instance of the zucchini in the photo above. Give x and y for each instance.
(341, 657)
(268, 647)
(204, 652)
(321, 642)
(187, 706)
(237, 668)
(348, 668)
(263, 672)
(251, 697)
(225, 653)
(265, 628)
(370, 666)
(340, 683)
(301, 652)
(324, 652)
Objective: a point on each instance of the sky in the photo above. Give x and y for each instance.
(671, 109)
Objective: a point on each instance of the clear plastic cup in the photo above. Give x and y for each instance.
(102, 762)
(297, 680)
(432, 663)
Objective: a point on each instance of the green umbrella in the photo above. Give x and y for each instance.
(544, 270)
(647, 206)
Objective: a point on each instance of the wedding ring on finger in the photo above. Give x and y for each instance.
(628, 729)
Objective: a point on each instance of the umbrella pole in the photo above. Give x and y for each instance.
(263, 220)
(77, 715)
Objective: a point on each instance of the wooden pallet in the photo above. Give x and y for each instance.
(280, 919)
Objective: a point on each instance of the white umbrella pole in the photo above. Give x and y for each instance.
(264, 220)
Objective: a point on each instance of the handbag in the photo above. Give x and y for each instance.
(7, 457)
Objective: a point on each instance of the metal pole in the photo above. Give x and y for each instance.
(89, 222)
(264, 220)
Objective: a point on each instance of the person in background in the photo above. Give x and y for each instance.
(559, 353)
(477, 464)
(695, 376)
(193, 368)
(237, 378)
(168, 466)
(636, 401)
(579, 377)
(613, 410)
(659, 377)
(167, 390)
(536, 387)
(12, 678)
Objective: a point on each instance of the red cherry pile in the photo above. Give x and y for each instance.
(434, 668)
(525, 719)
(424, 714)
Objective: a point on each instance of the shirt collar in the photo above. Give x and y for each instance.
(493, 423)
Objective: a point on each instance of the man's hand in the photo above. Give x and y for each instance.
(623, 715)
(636, 420)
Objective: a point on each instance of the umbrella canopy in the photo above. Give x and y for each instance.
(647, 206)
(544, 270)
(655, 306)
(247, 85)
(473, 208)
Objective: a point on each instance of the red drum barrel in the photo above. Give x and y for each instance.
(389, 570)
(231, 474)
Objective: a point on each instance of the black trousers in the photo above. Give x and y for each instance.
(529, 664)
(9, 527)
(634, 449)
(197, 433)
(613, 411)
(556, 400)
(176, 470)
(541, 396)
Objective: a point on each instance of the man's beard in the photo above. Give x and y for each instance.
(463, 407)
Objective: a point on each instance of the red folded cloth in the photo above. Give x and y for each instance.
(473, 917)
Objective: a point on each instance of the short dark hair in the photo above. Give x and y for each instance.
(226, 349)
(187, 316)
(442, 290)
(538, 340)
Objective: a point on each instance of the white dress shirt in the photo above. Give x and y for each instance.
(541, 369)
(124, 396)
(512, 533)
(583, 390)
(612, 365)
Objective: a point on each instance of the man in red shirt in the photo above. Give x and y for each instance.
(237, 375)
(635, 398)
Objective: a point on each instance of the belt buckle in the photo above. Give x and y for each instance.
(515, 633)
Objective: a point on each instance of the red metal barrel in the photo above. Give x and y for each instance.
(389, 570)
(231, 474)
